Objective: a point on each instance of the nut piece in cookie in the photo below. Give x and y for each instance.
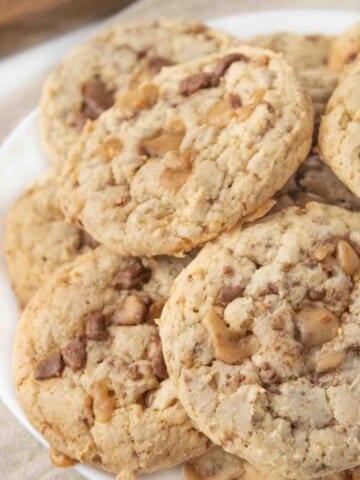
(132, 312)
(60, 460)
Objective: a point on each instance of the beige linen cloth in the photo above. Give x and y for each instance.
(21, 457)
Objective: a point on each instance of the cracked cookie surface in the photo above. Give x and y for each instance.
(216, 464)
(339, 136)
(89, 369)
(183, 158)
(345, 49)
(37, 239)
(90, 78)
(261, 336)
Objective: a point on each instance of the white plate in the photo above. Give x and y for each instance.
(21, 160)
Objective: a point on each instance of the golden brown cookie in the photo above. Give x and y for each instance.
(89, 369)
(261, 337)
(38, 240)
(91, 77)
(179, 160)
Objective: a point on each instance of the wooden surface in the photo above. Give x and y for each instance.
(11, 10)
(24, 23)
(21, 458)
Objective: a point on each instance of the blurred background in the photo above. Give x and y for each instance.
(24, 23)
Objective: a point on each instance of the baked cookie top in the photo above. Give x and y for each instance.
(37, 239)
(315, 181)
(261, 338)
(345, 49)
(90, 78)
(89, 369)
(179, 160)
(216, 464)
(339, 135)
(302, 51)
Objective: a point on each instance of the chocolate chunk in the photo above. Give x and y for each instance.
(227, 270)
(197, 28)
(88, 112)
(228, 293)
(74, 354)
(235, 101)
(132, 277)
(313, 38)
(224, 64)
(51, 367)
(134, 372)
(155, 64)
(316, 295)
(157, 358)
(269, 375)
(142, 53)
(155, 311)
(351, 58)
(80, 120)
(354, 348)
(193, 83)
(133, 311)
(88, 240)
(96, 97)
(95, 326)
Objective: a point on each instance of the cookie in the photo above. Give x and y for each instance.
(90, 78)
(261, 337)
(345, 49)
(302, 51)
(187, 156)
(339, 135)
(37, 239)
(315, 181)
(309, 56)
(216, 464)
(89, 369)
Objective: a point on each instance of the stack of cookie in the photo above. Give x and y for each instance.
(189, 268)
